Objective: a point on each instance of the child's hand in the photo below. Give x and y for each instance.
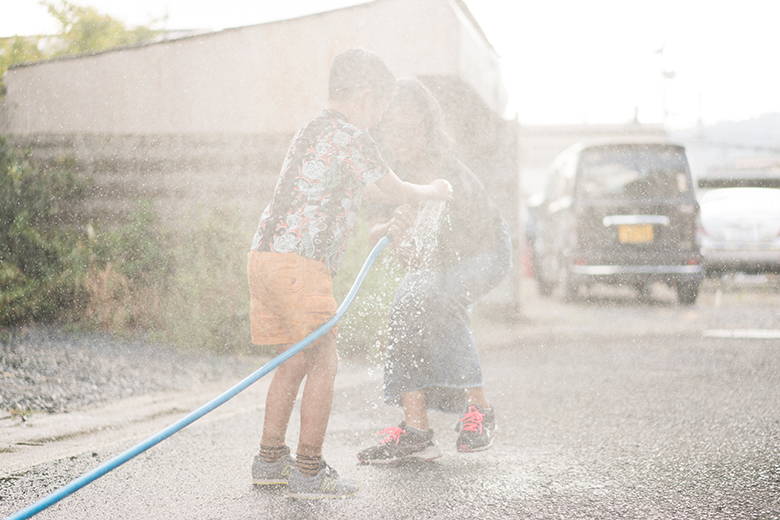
(442, 190)
(403, 219)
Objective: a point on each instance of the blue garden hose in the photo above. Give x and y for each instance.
(141, 447)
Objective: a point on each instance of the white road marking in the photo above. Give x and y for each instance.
(743, 333)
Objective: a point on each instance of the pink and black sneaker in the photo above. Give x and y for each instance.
(401, 444)
(477, 428)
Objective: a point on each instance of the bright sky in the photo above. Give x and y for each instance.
(563, 61)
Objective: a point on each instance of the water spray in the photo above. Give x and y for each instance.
(193, 416)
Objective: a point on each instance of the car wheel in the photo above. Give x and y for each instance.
(544, 287)
(687, 292)
(569, 290)
(643, 291)
(544, 284)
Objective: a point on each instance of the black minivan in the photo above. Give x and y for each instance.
(619, 213)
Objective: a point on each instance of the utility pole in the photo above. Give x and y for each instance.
(665, 75)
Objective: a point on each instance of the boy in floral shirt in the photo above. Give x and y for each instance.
(330, 165)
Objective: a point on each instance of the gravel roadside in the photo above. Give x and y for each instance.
(44, 369)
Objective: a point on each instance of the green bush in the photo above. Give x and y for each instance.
(123, 272)
(56, 266)
(38, 208)
(207, 305)
(134, 276)
(362, 330)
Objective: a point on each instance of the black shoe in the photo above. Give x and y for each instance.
(401, 444)
(477, 428)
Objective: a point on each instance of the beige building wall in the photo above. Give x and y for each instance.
(262, 79)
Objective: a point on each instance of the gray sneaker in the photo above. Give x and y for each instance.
(326, 484)
(270, 473)
(401, 444)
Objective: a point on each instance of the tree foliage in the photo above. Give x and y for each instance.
(82, 29)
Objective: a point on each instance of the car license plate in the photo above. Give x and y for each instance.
(741, 235)
(635, 233)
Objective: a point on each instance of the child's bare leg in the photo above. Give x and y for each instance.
(281, 399)
(414, 409)
(322, 363)
(476, 395)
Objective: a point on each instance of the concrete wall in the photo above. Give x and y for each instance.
(269, 78)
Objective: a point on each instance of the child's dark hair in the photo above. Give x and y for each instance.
(412, 93)
(357, 69)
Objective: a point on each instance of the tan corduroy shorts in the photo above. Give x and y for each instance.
(291, 296)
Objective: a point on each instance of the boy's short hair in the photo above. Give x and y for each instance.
(357, 69)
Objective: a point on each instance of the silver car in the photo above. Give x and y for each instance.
(740, 230)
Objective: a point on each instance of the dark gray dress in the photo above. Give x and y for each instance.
(430, 344)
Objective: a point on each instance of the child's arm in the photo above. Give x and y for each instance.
(390, 189)
(403, 219)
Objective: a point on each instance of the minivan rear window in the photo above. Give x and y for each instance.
(631, 172)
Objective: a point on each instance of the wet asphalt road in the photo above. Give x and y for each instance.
(608, 408)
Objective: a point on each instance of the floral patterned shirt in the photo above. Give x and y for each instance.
(317, 197)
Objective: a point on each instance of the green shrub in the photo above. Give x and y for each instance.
(207, 305)
(135, 276)
(123, 273)
(362, 330)
(54, 266)
(38, 207)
